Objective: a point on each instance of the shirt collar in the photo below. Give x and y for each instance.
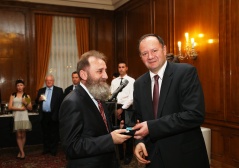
(93, 99)
(123, 76)
(86, 90)
(50, 87)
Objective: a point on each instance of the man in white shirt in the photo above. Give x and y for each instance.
(124, 101)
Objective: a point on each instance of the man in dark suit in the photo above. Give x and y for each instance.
(169, 131)
(49, 98)
(75, 80)
(85, 127)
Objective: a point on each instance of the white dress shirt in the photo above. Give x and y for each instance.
(125, 97)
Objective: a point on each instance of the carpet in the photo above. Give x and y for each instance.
(35, 159)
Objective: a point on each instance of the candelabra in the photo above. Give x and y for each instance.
(189, 50)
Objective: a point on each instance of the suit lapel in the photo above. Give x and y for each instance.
(92, 108)
(52, 97)
(167, 79)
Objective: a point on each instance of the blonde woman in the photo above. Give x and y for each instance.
(20, 103)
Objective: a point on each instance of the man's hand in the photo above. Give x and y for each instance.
(119, 112)
(121, 124)
(141, 130)
(118, 137)
(140, 153)
(42, 98)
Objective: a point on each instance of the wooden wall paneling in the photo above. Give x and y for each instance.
(32, 64)
(233, 148)
(224, 146)
(233, 59)
(138, 22)
(13, 50)
(195, 18)
(120, 42)
(105, 40)
(217, 143)
(162, 14)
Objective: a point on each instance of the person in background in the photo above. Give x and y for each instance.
(19, 104)
(75, 81)
(49, 98)
(124, 101)
(171, 58)
(169, 103)
(86, 131)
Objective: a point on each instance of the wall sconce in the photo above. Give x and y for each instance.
(189, 50)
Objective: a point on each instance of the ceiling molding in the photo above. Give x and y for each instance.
(95, 4)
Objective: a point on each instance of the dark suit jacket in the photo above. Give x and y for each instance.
(83, 134)
(175, 135)
(68, 90)
(56, 99)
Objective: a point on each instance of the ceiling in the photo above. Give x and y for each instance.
(96, 4)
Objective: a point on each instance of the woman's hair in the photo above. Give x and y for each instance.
(19, 81)
(23, 95)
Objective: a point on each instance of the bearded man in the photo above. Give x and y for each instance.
(86, 132)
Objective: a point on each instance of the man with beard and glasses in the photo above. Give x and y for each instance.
(86, 132)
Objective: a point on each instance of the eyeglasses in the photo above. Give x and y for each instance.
(146, 53)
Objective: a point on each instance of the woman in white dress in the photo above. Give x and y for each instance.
(20, 103)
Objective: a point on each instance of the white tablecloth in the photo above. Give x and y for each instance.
(207, 138)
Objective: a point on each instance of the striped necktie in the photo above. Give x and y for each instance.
(102, 113)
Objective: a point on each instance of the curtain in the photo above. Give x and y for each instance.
(82, 34)
(43, 46)
(64, 53)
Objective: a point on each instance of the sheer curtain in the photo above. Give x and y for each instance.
(64, 53)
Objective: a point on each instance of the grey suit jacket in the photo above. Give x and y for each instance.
(175, 138)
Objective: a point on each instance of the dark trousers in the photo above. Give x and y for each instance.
(50, 133)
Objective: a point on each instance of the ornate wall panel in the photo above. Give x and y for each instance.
(13, 51)
(198, 18)
(104, 41)
(138, 23)
(232, 74)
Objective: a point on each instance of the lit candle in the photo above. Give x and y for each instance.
(192, 42)
(186, 36)
(179, 46)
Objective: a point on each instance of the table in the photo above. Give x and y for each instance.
(8, 137)
(206, 132)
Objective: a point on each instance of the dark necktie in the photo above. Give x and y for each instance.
(156, 95)
(102, 113)
(121, 81)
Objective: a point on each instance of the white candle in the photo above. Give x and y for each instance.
(192, 42)
(179, 46)
(186, 36)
